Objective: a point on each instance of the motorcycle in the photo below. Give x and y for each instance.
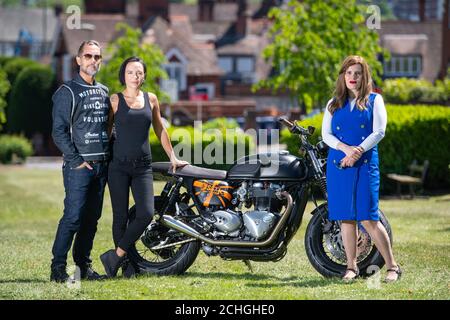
(249, 213)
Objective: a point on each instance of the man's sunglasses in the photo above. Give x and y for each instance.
(89, 56)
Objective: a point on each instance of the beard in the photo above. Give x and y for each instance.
(91, 70)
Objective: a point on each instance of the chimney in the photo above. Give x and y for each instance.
(105, 6)
(243, 16)
(206, 10)
(153, 8)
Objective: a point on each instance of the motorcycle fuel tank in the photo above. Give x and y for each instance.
(269, 166)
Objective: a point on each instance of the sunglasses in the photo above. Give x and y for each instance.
(89, 56)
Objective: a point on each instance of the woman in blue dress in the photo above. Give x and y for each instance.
(353, 124)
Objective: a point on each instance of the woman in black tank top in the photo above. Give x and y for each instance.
(132, 113)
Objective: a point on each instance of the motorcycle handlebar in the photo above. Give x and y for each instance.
(286, 122)
(294, 128)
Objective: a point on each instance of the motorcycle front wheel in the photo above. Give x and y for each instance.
(325, 249)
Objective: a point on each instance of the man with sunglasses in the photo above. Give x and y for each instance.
(80, 117)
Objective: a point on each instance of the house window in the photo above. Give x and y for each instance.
(406, 9)
(244, 64)
(7, 49)
(175, 71)
(434, 9)
(403, 66)
(238, 68)
(226, 64)
(176, 68)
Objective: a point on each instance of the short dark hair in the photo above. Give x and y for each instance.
(87, 42)
(124, 65)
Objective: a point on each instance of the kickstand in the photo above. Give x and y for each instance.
(249, 265)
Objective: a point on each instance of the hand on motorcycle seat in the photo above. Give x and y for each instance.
(176, 163)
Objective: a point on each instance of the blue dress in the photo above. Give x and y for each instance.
(353, 191)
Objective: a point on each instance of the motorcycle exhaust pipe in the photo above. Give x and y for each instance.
(178, 225)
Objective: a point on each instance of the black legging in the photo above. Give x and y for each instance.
(121, 176)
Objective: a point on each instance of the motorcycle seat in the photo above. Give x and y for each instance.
(189, 171)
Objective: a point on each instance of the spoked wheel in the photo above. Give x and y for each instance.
(325, 249)
(161, 250)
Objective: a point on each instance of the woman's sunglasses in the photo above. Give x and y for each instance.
(89, 56)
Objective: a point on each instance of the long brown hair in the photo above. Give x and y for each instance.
(341, 92)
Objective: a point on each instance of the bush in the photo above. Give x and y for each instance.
(190, 139)
(30, 106)
(14, 147)
(4, 60)
(413, 132)
(221, 124)
(403, 90)
(14, 66)
(4, 89)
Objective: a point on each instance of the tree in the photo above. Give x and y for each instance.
(30, 109)
(4, 89)
(310, 40)
(129, 45)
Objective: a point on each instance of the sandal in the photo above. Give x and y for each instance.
(397, 270)
(356, 272)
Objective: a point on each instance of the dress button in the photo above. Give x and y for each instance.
(334, 161)
(365, 161)
(362, 138)
(338, 128)
(362, 126)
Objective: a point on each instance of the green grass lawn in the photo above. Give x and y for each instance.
(31, 205)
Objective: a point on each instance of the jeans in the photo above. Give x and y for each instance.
(138, 176)
(83, 204)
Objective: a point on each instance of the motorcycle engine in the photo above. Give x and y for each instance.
(227, 221)
(257, 223)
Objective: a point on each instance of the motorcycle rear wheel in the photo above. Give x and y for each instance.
(167, 261)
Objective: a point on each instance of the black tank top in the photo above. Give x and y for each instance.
(132, 128)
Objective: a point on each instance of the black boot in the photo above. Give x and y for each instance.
(129, 270)
(59, 274)
(112, 262)
(87, 273)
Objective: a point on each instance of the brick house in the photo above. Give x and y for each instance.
(419, 40)
(214, 48)
(198, 42)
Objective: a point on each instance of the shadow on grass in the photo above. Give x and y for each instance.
(230, 276)
(275, 281)
(26, 281)
(310, 283)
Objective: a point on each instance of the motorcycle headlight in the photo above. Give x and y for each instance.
(322, 147)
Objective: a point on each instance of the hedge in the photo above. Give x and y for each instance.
(12, 146)
(413, 132)
(411, 91)
(189, 137)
